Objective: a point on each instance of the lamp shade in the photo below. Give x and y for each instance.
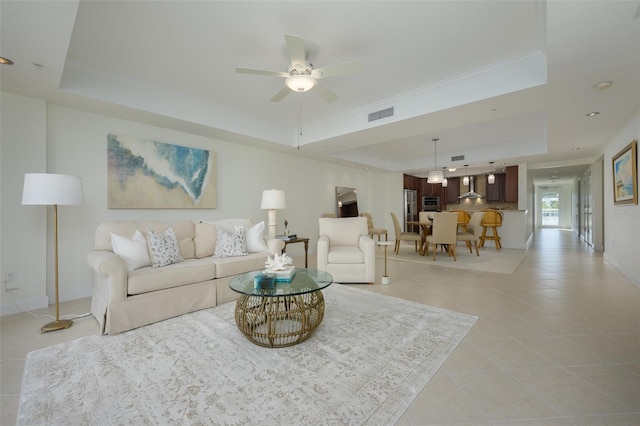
(51, 189)
(435, 176)
(273, 199)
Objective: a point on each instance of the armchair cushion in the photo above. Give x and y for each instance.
(345, 254)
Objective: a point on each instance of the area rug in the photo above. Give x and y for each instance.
(503, 261)
(364, 365)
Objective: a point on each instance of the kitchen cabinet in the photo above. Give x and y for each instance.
(505, 189)
(495, 191)
(452, 191)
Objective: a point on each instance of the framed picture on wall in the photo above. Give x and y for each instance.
(625, 175)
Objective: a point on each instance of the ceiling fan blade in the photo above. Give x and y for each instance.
(325, 93)
(261, 72)
(338, 69)
(295, 46)
(281, 94)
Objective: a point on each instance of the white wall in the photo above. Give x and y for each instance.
(622, 222)
(23, 229)
(76, 144)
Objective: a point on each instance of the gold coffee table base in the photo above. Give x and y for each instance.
(280, 321)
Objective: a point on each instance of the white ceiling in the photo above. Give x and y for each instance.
(508, 82)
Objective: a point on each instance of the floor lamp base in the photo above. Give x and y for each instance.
(56, 325)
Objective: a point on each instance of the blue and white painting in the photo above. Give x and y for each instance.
(147, 174)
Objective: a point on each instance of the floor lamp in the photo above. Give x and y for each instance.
(47, 189)
(273, 200)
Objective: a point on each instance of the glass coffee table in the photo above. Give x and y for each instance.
(276, 314)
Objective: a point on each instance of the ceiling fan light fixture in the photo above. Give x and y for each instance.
(300, 83)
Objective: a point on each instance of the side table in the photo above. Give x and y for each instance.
(298, 240)
(385, 278)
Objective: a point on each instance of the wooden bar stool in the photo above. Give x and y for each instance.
(491, 220)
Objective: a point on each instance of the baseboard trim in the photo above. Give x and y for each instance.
(19, 306)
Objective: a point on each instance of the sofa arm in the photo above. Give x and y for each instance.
(323, 252)
(275, 246)
(113, 271)
(368, 247)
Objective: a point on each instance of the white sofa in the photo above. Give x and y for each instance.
(126, 297)
(346, 251)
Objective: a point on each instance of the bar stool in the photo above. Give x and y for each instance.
(491, 220)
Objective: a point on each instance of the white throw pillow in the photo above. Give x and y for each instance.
(228, 244)
(255, 238)
(132, 250)
(164, 248)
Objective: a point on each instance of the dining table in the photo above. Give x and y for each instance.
(425, 229)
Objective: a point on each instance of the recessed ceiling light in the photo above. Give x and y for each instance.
(592, 114)
(603, 85)
(5, 61)
(575, 149)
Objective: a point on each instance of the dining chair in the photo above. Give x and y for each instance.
(491, 220)
(463, 219)
(374, 231)
(443, 231)
(473, 232)
(403, 236)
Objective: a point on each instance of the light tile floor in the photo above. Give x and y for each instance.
(556, 343)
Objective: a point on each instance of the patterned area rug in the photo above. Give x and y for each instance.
(364, 365)
(504, 261)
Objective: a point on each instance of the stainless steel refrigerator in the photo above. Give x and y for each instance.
(410, 208)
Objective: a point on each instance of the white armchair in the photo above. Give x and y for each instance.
(345, 250)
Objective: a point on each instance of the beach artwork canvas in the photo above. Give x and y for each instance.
(147, 174)
(625, 169)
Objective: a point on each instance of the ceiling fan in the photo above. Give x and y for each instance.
(302, 76)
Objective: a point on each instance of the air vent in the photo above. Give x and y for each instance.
(457, 158)
(373, 116)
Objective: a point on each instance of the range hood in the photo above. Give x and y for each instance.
(472, 193)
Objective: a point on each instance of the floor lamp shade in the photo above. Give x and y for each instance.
(48, 189)
(273, 200)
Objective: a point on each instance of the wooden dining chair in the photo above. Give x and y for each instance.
(473, 232)
(403, 236)
(443, 231)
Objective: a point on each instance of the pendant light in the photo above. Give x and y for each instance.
(491, 179)
(445, 181)
(435, 176)
(465, 179)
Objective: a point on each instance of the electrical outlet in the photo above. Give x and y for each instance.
(12, 276)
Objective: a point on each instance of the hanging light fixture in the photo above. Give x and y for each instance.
(491, 179)
(465, 179)
(445, 181)
(435, 176)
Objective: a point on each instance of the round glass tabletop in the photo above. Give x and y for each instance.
(257, 283)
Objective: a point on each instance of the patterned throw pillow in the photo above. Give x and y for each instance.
(164, 248)
(228, 244)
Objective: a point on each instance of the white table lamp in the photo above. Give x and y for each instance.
(273, 200)
(52, 190)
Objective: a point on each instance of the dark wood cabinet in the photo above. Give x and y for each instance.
(495, 191)
(452, 191)
(511, 185)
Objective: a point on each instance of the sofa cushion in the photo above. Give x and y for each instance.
(204, 239)
(132, 250)
(184, 233)
(255, 238)
(230, 244)
(163, 248)
(345, 254)
(228, 266)
(190, 271)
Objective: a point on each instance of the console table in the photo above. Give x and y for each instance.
(298, 240)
